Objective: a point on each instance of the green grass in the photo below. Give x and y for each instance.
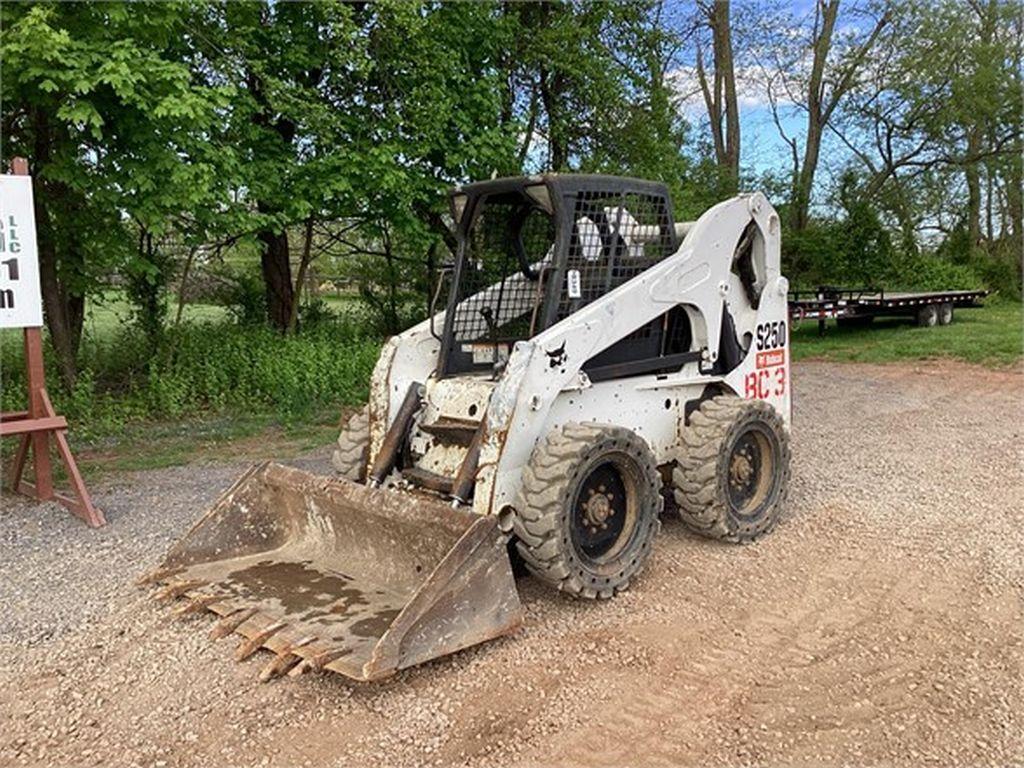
(992, 335)
(237, 436)
(109, 312)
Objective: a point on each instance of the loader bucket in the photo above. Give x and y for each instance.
(333, 575)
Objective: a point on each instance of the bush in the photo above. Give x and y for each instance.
(928, 272)
(244, 296)
(203, 368)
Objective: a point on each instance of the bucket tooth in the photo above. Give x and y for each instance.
(285, 659)
(155, 575)
(196, 605)
(250, 646)
(178, 589)
(279, 666)
(317, 662)
(231, 622)
(321, 660)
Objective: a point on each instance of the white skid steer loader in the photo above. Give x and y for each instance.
(592, 354)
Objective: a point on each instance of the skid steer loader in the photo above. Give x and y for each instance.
(592, 354)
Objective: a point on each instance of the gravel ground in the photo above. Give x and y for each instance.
(882, 623)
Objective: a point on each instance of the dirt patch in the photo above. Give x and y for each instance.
(881, 623)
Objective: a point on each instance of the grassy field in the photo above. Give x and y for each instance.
(992, 335)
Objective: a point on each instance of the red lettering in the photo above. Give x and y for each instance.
(750, 385)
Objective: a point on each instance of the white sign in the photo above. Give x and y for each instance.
(21, 304)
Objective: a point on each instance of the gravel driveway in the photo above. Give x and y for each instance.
(882, 623)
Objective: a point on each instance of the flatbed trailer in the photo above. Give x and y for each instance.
(859, 306)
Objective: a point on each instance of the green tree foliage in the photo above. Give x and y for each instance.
(936, 130)
(99, 100)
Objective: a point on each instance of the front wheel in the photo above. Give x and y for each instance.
(732, 476)
(352, 453)
(588, 509)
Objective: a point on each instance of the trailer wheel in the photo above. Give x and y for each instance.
(732, 476)
(352, 454)
(588, 509)
(927, 316)
(945, 313)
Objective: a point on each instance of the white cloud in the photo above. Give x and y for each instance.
(751, 90)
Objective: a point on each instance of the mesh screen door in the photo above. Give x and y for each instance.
(508, 250)
(615, 237)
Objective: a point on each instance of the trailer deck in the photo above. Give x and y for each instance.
(859, 306)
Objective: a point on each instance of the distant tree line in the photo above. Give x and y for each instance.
(161, 135)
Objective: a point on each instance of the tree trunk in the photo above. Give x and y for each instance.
(816, 115)
(64, 315)
(277, 278)
(722, 36)
(973, 178)
(558, 150)
(712, 104)
(1015, 197)
(720, 94)
(307, 251)
(805, 179)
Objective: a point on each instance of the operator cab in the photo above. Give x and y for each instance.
(533, 250)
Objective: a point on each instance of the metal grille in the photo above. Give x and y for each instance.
(509, 244)
(615, 237)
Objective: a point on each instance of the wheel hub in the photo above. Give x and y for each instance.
(742, 467)
(598, 508)
(751, 467)
(601, 520)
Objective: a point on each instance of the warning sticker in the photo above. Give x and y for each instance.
(487, 353)
(771, 358)
(574, 285)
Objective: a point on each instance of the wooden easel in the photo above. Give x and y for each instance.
(38, 424)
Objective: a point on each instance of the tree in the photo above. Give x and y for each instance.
(98, 99)
(936, 123)
(814, 70)
(720, 94)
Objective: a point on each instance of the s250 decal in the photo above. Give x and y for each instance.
(770, 378)
(770, 335)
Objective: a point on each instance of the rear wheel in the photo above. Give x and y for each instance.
(732, 475)
(588, 509)
(351, 455)
(945, 313)
(927, 316)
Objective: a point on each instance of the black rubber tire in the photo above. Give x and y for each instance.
(700, 478)
(543, 522)
(945, 313)
(352, 454)
(927, 316)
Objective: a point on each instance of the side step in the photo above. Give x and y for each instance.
(424, 478)
(452, 431)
